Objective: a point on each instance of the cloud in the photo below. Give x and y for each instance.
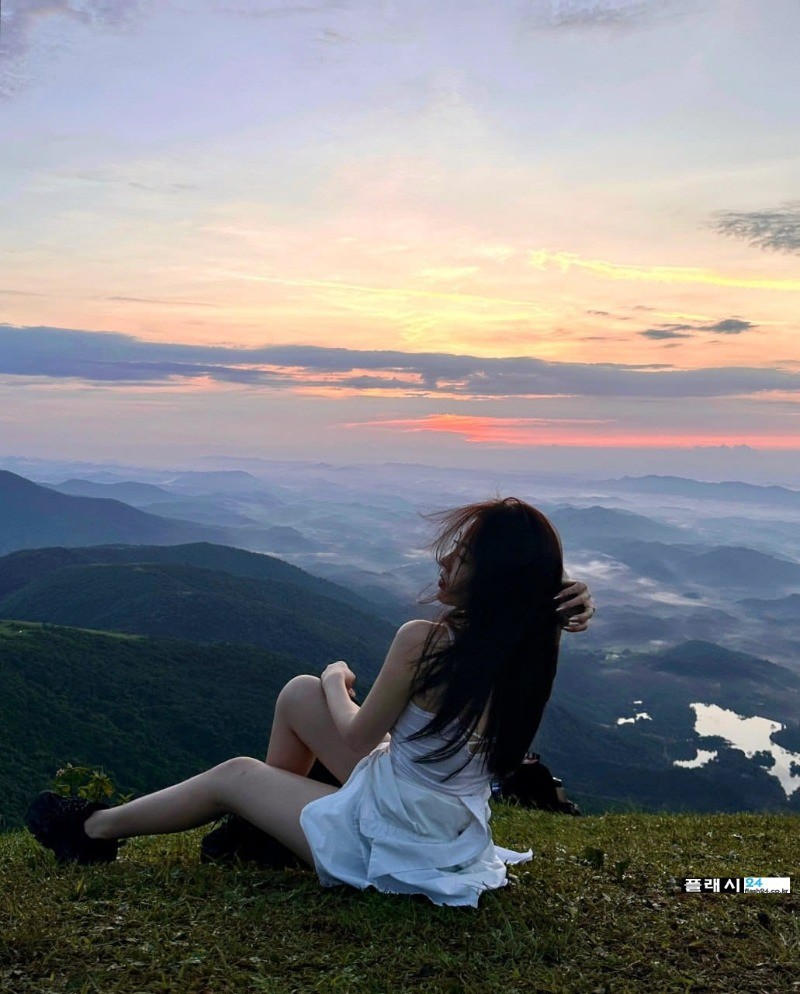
(729, 326)
(657, 334)
(114, 357)
(541, 258)
(776, 230)
(578, 14)
(23, 22)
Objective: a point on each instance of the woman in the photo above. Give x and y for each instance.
(408, 819)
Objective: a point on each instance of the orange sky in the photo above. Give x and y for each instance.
(569, 187)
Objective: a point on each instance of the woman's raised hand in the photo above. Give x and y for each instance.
(576, 597)
(340, 667)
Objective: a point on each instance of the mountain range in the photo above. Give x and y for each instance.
(152, 711)
(32, 516)
(733, 490)
(92, 588)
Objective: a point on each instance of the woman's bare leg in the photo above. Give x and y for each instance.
(269, 798)
(303, 728)
(270, 795)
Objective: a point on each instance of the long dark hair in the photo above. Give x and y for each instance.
(506, 631)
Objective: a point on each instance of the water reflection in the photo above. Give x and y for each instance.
(748, 735)
(702, 757)
(638, 716)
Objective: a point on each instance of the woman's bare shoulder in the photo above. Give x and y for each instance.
(414, 634)
(419, 628)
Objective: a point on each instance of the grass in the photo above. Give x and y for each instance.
(579, 919)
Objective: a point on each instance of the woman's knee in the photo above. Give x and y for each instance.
(238, 766)
(228, 775)
(300, 690)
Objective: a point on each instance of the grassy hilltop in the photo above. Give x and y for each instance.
(595, 911)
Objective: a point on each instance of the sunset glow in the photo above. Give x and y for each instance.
(539, 431)
(572, 230)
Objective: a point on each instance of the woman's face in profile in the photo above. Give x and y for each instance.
(454, 573)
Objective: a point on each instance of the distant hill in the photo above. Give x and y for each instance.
(679, 486)
(704, 662)
(284, 538)
(740, 566)
(381, 590)
(601, 527)
(32, 516)
(729, 567)
(780, 609)
(626, 626)
(202, 605)
(156, 500)
(228, 481)
(130, 492)
(204, 511)
(19, 568)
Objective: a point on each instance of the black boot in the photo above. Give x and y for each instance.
(236, 837)
(57, 823)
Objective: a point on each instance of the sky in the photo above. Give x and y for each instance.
(546, 233)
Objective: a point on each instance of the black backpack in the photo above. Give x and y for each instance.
(532, 785)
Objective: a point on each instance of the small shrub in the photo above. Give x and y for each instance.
(83, 781)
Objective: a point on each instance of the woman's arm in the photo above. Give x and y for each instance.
(365, 727)
(341, 706)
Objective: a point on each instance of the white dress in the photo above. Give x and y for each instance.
(397, 827)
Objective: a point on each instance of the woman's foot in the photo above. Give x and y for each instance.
(57, 823)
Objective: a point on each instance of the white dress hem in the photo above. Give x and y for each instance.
(385, 831)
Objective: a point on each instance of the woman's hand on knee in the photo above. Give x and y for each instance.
(340, 671)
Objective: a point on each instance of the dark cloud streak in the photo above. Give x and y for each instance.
(730, 326)
(618, 15)
(110, 357)
(776, 230)
(658, 334)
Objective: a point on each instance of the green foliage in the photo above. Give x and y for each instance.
(148, 712)
(185, 601)
(91, 784)
(158, 921)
